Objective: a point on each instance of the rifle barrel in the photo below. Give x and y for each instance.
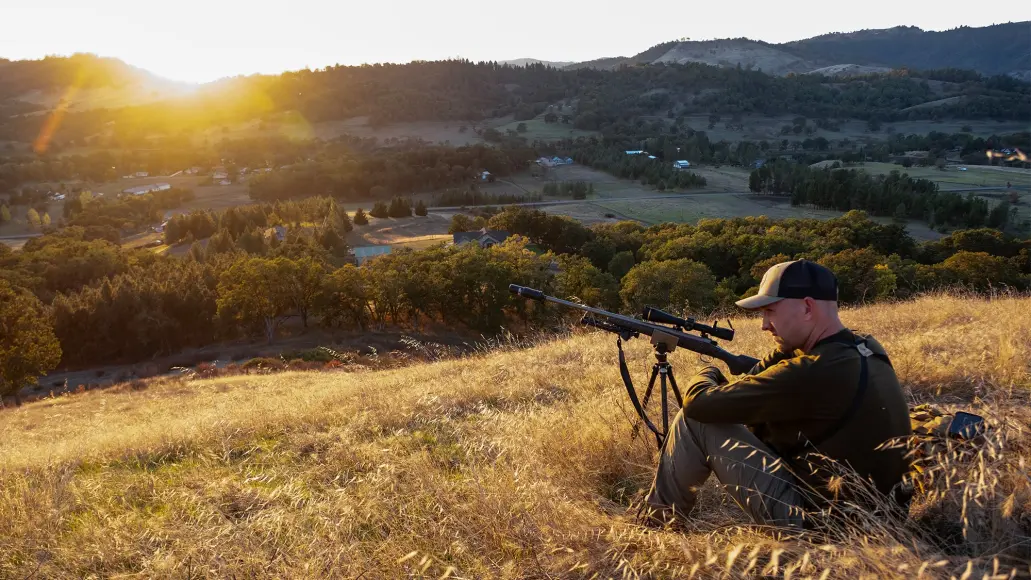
(737, 363)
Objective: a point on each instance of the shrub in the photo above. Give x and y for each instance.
(309, 355)
(379, 210)
(263, 364)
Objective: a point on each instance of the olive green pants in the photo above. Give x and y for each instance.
(751, 473)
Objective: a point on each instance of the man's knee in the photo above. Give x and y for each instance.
(751, 473)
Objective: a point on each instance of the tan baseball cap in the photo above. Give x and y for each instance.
(795, 279)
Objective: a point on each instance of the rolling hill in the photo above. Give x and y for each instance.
(990, 50)
(730, 53)
(82, 81)
(108, 97)
(517, 463)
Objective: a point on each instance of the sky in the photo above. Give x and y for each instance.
(191, 40)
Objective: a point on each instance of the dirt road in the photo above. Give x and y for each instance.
(589, 200)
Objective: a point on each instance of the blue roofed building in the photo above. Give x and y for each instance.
(365, 253)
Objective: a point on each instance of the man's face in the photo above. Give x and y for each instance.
(790, 321)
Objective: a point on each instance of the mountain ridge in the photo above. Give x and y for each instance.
(990, 50)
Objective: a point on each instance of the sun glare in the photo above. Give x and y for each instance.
(186, 71)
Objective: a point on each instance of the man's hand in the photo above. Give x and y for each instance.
(708, 377)
(712, 373)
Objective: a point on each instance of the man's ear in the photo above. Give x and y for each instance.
(810, 307)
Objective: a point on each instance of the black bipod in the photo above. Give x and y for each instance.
(664, 371)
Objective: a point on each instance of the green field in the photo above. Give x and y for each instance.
(759, 127)
(755, 127)
(724, 179)
(974, 176)
(537, 129)
(693, 207)
(293, 125)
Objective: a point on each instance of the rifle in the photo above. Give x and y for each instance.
(664, 339)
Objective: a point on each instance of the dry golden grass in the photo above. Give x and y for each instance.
(514, 463)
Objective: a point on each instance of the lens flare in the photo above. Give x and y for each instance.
(1007, 155)
(42, 142)
(293, 125)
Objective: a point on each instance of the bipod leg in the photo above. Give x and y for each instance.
(644, 402)
(673, 383)
(665, 401)
(624, 373)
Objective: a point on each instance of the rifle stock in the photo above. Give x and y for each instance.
(628, 327)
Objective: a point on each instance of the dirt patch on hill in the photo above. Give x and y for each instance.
(932, 104)
(730, 53)
(387, 231)
(847, 70)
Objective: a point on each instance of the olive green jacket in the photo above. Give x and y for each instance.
(788, 399)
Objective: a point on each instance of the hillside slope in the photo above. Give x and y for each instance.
(80, 81)
(516, 463)
(990, 50)
(747, 53)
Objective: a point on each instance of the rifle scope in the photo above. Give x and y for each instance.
(652, 314)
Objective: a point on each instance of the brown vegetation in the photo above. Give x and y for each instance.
(513, 463)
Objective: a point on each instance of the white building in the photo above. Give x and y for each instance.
(681, 164)
(142, 189)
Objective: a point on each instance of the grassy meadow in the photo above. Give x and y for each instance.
(513, 463)
(953, 178)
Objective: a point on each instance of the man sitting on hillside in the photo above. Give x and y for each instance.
(825, 399)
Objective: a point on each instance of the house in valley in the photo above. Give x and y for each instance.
(484, 237)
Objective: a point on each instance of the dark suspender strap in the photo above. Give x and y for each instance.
(625, 373)
(857, 401)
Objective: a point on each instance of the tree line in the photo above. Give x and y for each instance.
(399, 170)
(473, 196)
(896, 194)
(107, 304)
(162, 155)
(237, 221)
(399, 207)
(460, 90)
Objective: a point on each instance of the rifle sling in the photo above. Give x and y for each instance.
(625, 373)
(857, 401)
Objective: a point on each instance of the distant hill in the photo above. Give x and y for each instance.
(111, 97)
(990, 50)
(613, 62)
(103, 81)
(730, 53)
(526, 61)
